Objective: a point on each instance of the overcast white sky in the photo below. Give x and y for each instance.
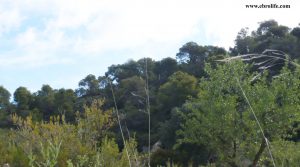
(59, 42)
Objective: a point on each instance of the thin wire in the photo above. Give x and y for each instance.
(257, 121)
(119, 122)
(149, 115)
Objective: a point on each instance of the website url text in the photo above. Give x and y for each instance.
(268, 6)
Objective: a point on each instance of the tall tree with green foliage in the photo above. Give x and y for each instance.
(23, 99)
(192, 57)
(165, 68)
(44, 100)
(4, 106)
(89, 86)
(64, 102)
(179, 88)
(4, 98)
(268, 35)
(222, 121)
(123, 71)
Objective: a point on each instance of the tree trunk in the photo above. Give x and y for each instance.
(259, 153)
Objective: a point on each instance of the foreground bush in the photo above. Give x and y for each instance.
(57, 143)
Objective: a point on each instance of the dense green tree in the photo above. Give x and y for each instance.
(296, 32)
(165, 68)
(4, 107)
(147, 66)
(23, 99)
(89, 90)
(130, 91)
(167, 129)
(122, 71)
(89, 86)
(132, 68)
(4, 98)
(131, 100)
(179, 88)
(192, 57)
(243, 43)
(65, 103)
(265, 27)
(222, 121)
(269, 35)
(44, 100)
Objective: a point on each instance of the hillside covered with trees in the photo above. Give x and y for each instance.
(207, 107)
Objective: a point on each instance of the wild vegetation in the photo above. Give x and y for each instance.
(204, 112)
